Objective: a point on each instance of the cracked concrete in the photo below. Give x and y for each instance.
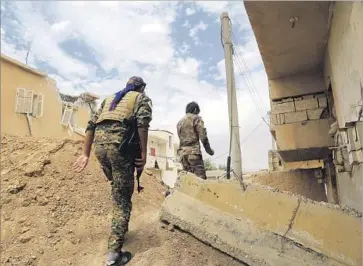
(251, 225)
(291, 223)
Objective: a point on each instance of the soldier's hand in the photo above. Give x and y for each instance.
(140, 162)
(80, 163)
(211, 152)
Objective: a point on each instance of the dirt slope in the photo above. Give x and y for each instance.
(52, 216)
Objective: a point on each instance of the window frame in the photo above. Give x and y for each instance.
(170, 142)
(26, 100)
(20, 106)
(66, 108)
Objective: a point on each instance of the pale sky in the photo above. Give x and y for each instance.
(174, 46)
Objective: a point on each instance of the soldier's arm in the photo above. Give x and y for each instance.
(202, 132)
(90, 130)
(143, 118)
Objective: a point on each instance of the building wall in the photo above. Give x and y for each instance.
(304, 105)
(343, 60)
(350, 188)
(13, 77)
(343, 72)
(163, 143)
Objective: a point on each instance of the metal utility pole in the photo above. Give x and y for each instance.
(235, 145)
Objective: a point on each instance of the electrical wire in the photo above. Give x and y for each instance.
(242, 142)
(246, 68)
(250, 85)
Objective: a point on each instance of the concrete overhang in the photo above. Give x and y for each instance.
(288, 50)
(303, 141)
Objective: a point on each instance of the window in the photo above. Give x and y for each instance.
(66, 116)
(69, 115)
(73, 121)
(20, 97)
(28, 102)
(24, 101)
(37, 105)
(152, 152)
(170, 142)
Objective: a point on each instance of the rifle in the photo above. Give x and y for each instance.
(138, 175)
(131, 145)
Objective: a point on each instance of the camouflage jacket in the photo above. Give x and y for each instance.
(109, 131)
(190, 130)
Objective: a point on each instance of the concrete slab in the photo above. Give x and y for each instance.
(236, 237)
(308, 134)
(251, 225)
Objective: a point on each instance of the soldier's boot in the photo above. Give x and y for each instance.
(118, 258)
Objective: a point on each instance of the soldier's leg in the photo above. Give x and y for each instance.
(197, 165)
(185, 163)
(122, 190)
(101, 155)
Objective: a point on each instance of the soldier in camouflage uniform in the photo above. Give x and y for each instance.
(107, 130)
(190, 131)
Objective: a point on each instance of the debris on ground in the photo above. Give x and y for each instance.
(53, 216)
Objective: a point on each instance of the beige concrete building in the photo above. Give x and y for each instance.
(162, 159)
(31, 104)
(312, 52)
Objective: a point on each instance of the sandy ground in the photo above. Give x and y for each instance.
(52, 216)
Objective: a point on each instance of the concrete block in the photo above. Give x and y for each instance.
(243, 223)
(345, 154)
(359, 128)
(355, 157)
(311, 134)
(295, 117)
(315, 113)
(279, 108)
(306, 104)
(282, 119)
(273, 118)
(343, 137)
(353, 139)
(322, 100)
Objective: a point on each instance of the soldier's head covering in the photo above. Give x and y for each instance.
(192, 108)
(135, 83)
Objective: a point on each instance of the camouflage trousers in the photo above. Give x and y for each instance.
(120, 171)
(193, 163)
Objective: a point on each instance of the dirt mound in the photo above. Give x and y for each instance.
(53, 216)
